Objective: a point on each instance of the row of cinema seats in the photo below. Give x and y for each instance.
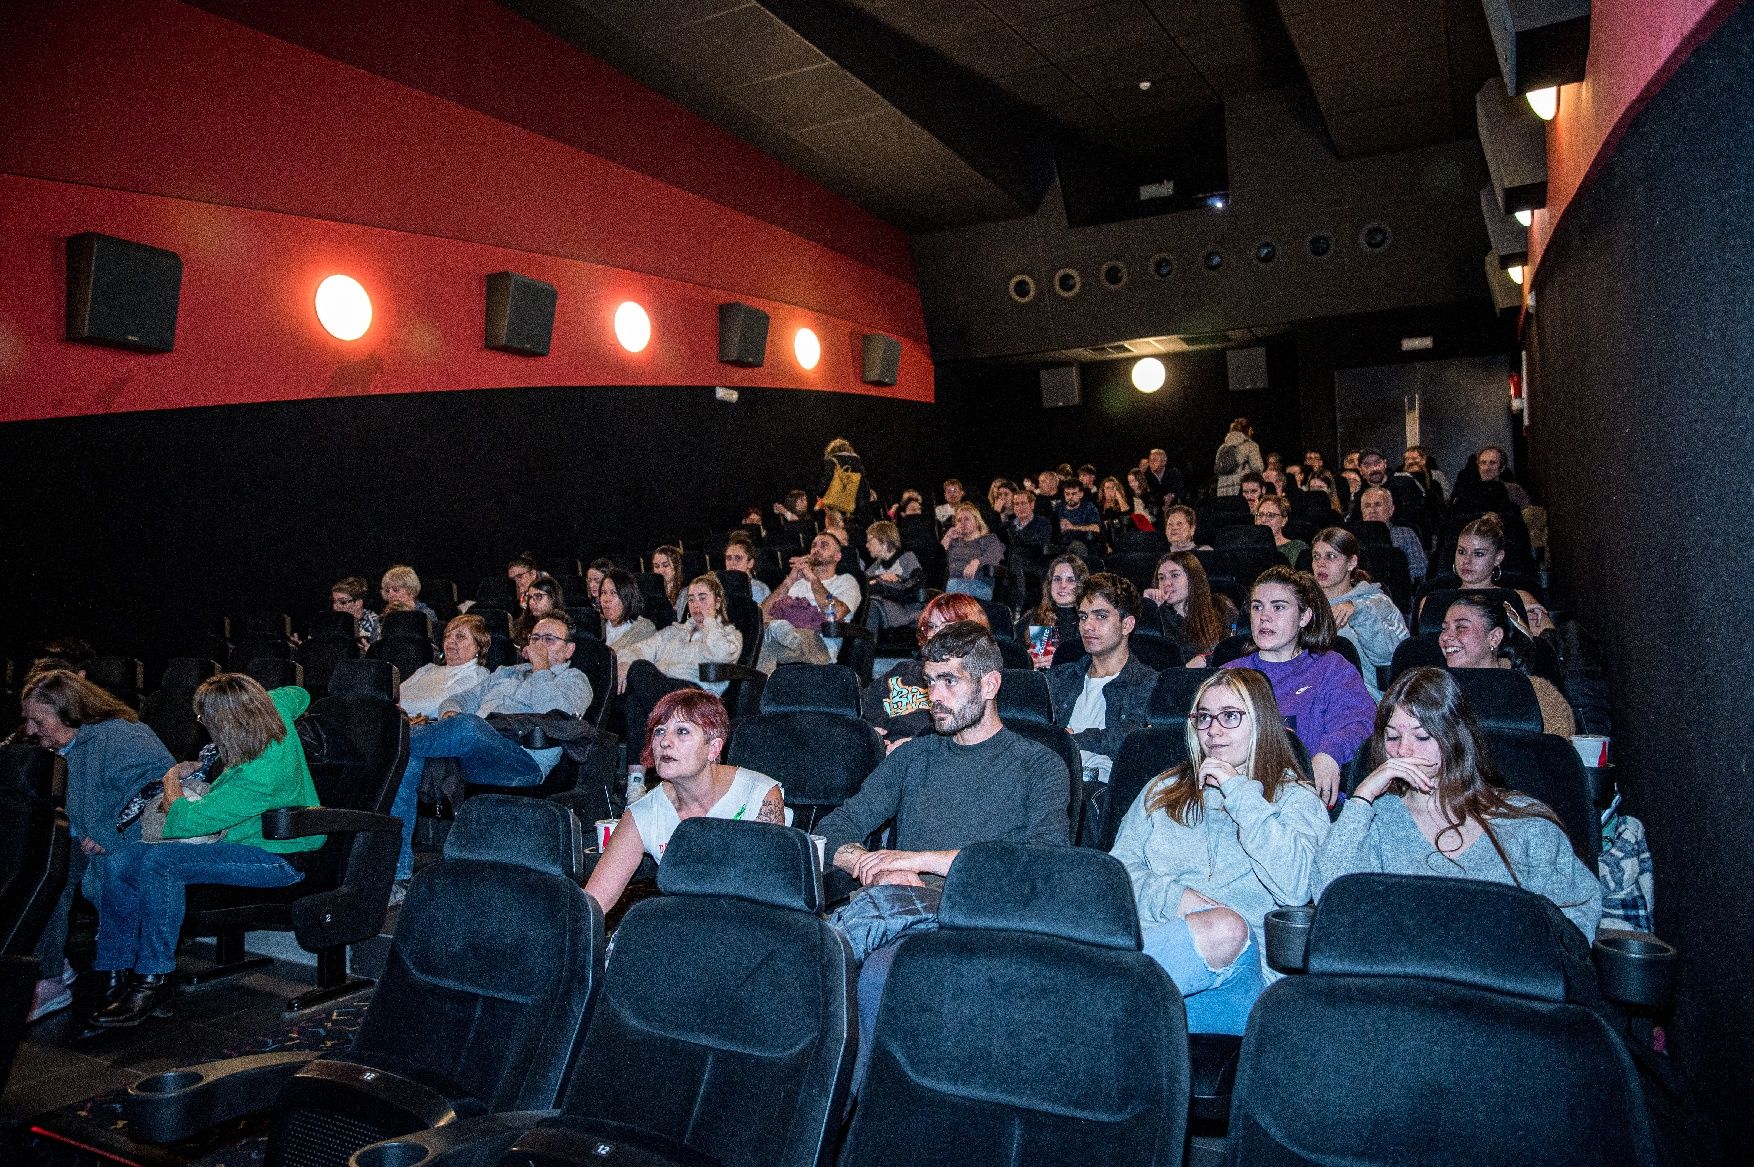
(1425, 1020)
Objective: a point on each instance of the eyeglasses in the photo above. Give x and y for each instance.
(548, 638)
(1228, 718)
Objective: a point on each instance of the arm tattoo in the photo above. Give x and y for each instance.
(773, 808)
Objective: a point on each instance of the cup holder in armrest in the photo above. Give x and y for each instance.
(169, 1082)
(1637, 969)
(1288, 938)
(395, 1153)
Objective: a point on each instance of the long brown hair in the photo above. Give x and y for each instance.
(1045, 615)
(1272, 762)
(1203, 626)
(239, 716)
(673, 584)
(1346, 543)
(1319, 634)
(1468, 785)
(75, 700)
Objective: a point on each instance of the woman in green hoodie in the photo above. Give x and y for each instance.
(264, 769)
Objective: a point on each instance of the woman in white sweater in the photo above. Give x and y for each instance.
(466, 642)
(1214, 844)
(680, 649)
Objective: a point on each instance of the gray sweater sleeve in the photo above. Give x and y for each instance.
(1048, 795)
(1377, 624)
(1158, 897)
(1281, 838)
(1348, 847)
(876, 803)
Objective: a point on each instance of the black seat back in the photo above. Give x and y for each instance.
(1416, 652)
(1520, 1075)
(274, 672)
(415, 624)
(498, 938)
(319, 656)
(821, 759)
(1144, 754)
(170, 711)
(597, 661)
(409, 654)
(123, 677)
(1037, 928)
(802, 688)
(1501, 698)
(1172, 698)
(1024, 696)
(34, 843)
(369, 677)
(1545, 766)
(331, 625)
(725, 1020)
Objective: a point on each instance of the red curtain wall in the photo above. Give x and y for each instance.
(268, 166)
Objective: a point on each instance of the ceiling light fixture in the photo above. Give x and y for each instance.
(1148, 374)
(1525, 217)
(1545, 102)
(806, 348)
(1515, 272)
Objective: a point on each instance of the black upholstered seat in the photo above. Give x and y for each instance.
(170, 710)
(1079, 1054)
(821, 759)
(1172, 697)
(33, 871)
(1434, 1025)
(723, 1033)
(496, 961)
(801, 688)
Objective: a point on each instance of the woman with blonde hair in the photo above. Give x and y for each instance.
(1214, 844)
(142, 908)
(705, 636)
(968, 547)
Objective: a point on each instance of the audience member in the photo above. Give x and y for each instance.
(999, 495)
(794, 515)
(971, 781)
(1477, 634)
(1054, 621)
(892, 579)
(1321, 695)
(1218, 841)
(594, 577)
(542, 595)
(896, 703)
(704, 635)
(740, 556)
(623, 607)
(1077, 522)
(401, 586)
(685, 737)
(1180, 529)
(1047, 489)
(667, 566)
(1271, 513)
(1432, 804)
(1480, 552)
(1237, 455)
(110, 755)
(1103, 696)
(1377, 505)
(142, 902)
(1162, 483)
(1030, 533)
(1494, 464)
(968, 548)
(422, 698)
(815, 579)
(1415, 481)
(1120, 512)
(348, 595)
(1363, 612)
(1186, 608)
(952, 498)
(1252, 488)
(522, 570)
(855, 494)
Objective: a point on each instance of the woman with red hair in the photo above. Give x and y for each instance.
(685, 735)
(896, 704)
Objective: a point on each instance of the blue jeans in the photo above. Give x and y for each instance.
(980, 589)
(487, 756)
(873, 976)
(142, 908)
(1217, 1000)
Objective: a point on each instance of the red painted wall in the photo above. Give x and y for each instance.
(267, 166)
(1635, 45)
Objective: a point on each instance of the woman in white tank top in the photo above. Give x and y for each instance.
(684, 737)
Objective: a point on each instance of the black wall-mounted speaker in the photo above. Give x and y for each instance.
(882, 359)
(122, 293)
(1248, 368)
(520, 314)
(1510, 239)
(1514, 141)
(1060, 387)
(1507, 296)
(743, 336)
(1539, 42)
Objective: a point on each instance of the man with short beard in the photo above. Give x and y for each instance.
(970, 781)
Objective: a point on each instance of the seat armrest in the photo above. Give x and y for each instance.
(465, 1143)
(180, 1104)
(1637, 970)
(298, 822)
(713, 671)
(845, 630)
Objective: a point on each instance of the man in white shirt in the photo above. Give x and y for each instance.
(946, 510)
(813, 578)
(1104, 696)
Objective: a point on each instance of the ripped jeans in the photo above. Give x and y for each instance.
(1217, 1000)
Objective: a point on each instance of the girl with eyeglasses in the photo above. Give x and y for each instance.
(1215, 843)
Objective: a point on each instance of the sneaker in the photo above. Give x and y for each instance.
(68, 976)
(51, 996)
(398, 892)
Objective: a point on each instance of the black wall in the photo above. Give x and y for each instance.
(138, 530)
(1640, 357)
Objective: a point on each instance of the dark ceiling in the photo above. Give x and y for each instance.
(940, 113)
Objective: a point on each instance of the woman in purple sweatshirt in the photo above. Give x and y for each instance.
(1321, 695)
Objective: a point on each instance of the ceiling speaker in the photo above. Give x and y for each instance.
(1510, 239)
(882, 359)
(122, 294)
(1060, 387)
(1248, 368)
(520, 314)
(1515, 143)
(1539, 42)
